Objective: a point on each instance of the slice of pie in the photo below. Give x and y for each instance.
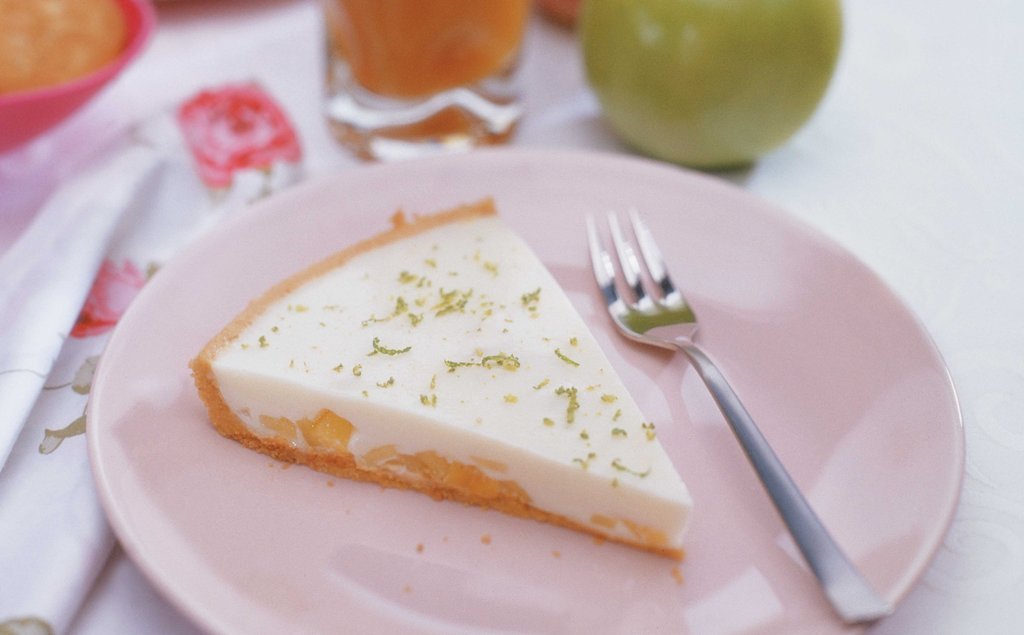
(441, 356)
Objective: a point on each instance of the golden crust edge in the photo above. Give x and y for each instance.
(202, 365)
(230, 426)
(344, 466)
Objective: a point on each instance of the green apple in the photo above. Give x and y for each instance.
(709, 83)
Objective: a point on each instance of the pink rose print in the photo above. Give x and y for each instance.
(233, 128)
(112, 291)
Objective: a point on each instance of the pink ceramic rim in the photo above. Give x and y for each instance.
(209, 614)
(141, 20)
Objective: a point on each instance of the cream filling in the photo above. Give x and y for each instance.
(458, 341)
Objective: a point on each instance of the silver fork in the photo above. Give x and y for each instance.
(662, 317)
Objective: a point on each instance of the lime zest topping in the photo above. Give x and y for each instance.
(609, 398)
(618, 413)
(274, 329)
(549, 422)
(510, 398)
(263, 341)
(617, 464)
(384, 350)
(405, 277)
(619, 432)
(564, 358)
(429, 400)
(400, 307)
(531, 298)
(338, 368)
(543, 383)
(386, 384)
(585, 463)
(415, 318)
(453, 301)
(574, 404)
(357, 370)
(505, 360)
(573, 341)
(491, 267)
(584, 435)
(648, 430)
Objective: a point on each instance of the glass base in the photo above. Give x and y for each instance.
(387, 129)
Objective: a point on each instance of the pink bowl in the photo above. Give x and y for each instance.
(27, 114)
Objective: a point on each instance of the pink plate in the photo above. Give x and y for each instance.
(842, 378)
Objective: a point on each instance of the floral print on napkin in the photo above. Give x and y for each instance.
(236, 127)
(116, 285)
(241, 146)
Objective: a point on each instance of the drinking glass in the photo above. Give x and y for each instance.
(408, 78)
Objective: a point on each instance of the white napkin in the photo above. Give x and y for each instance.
(45, 276)
(63, 286)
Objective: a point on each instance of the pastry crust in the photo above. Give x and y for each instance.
(504, 496)
(343, 465)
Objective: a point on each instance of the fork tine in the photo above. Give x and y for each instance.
(601, 263)
(652, 257)
(629, 264)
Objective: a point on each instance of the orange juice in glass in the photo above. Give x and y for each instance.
(408, 78)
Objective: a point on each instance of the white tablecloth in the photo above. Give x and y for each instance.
(914, 162)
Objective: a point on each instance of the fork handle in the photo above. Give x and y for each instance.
(849, 593)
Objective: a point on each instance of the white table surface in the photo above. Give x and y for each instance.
(913, 162)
